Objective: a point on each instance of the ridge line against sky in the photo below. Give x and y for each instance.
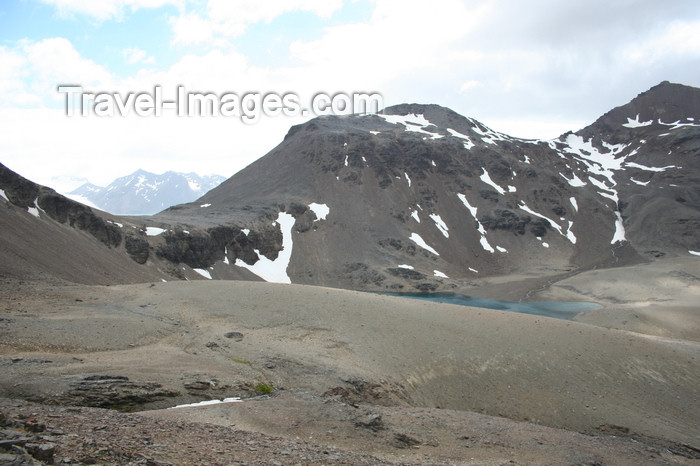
(529, 69)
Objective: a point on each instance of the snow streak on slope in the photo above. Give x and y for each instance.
(209, 403)
(649, 169)
(487, 179)
(482, 231)
(204, 273)
(468, 144)
(275, 271)
(576, 182)
(440, 224)
(568, 234)
(488, 135)
(416, 238)
(574, 203)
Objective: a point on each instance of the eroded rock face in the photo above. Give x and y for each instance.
(504, 219)
(202, 248)
(137, 247)
(110, 391)
(28, 195)
(65, 210)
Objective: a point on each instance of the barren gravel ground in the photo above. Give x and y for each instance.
(357, 374)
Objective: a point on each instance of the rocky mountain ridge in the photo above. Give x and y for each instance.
(419, 198)
(419, 194)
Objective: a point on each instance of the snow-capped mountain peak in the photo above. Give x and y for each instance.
(145, 193)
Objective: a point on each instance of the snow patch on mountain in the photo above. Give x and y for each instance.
(154, 231)
(677, 124)
(416, 238)
(468, 144)
(203, 273)
(488, 135)
(649, 169)
(412, 122)
(636, 123)
(619, 229)
(275, 271)
(487, 179)
(440, 224)
(603, 164)
(576, 182)
(321, 210)
(567, 234)
(34, 211)
(573, 202)
(480, 228)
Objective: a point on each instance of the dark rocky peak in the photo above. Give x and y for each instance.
(664, 107)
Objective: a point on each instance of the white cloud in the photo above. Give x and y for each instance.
(13, 73)
(190, 28)
(32, 71)
(238, 14)
(401, 35)
(467, 85)
(677, 39)
(135, 55)
(227, 19)
(103, 10)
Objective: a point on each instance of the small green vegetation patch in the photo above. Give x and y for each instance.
(264, 389)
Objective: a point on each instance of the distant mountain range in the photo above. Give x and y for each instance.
(145, 193)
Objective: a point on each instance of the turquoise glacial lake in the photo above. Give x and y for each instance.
(556, 309)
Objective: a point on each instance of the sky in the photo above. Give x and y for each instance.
(532, 69)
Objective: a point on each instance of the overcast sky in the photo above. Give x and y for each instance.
(532, 69)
